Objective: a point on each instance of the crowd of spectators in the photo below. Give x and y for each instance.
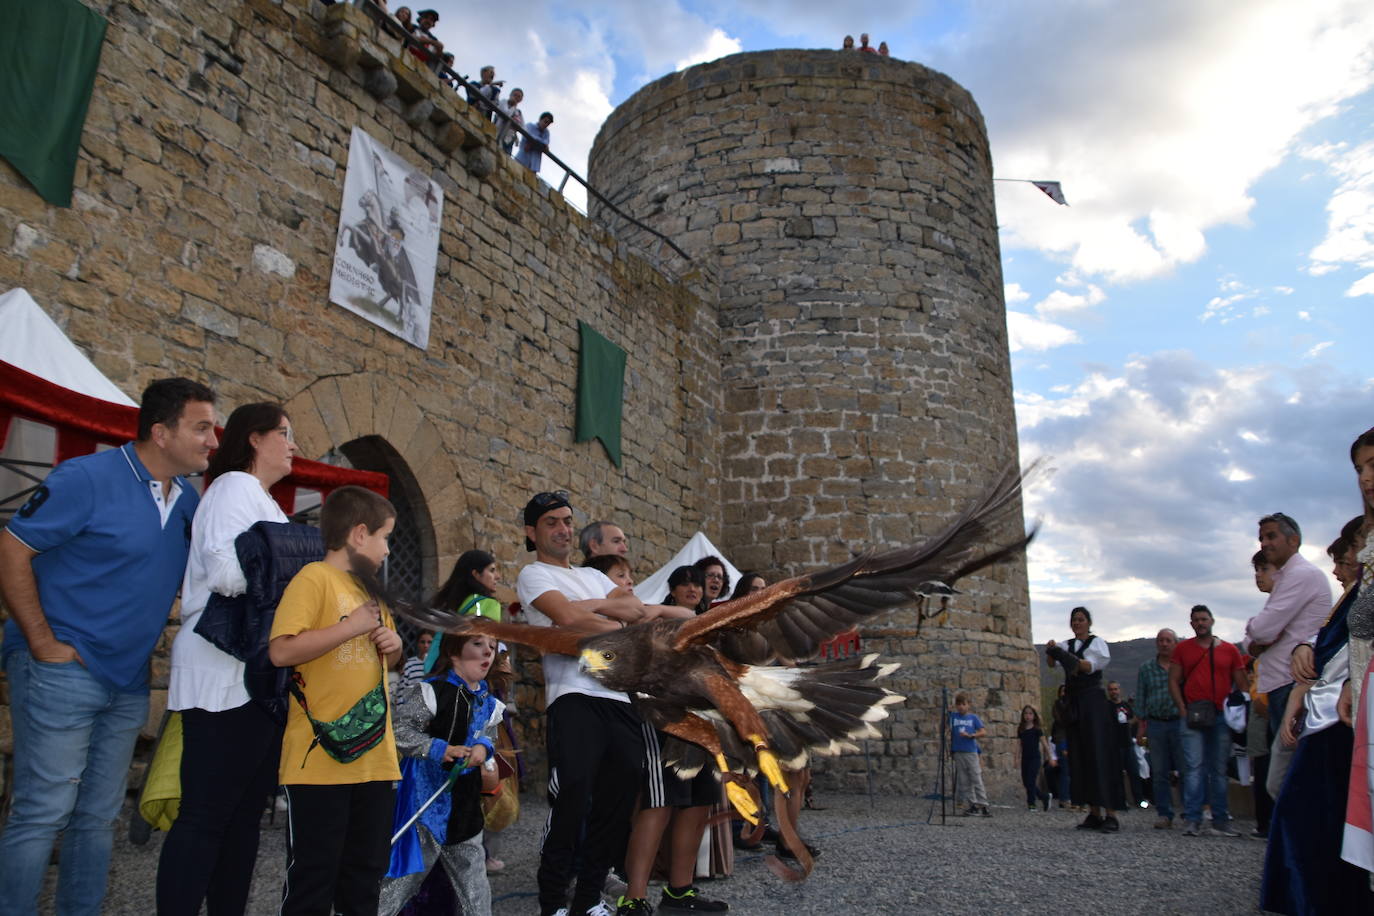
(389, 765)
(1285, 709)
(417, 30)
(864, 46)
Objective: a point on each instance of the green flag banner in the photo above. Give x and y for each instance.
(49, 52)
(600, 390)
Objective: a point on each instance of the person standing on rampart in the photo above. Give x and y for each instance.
(532, 150)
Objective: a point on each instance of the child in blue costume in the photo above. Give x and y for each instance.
(445, 722)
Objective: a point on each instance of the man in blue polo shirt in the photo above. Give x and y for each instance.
(89, 568)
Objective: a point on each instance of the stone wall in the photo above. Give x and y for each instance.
(847, 204)
(201, 241)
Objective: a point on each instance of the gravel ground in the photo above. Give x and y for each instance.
(880, 856)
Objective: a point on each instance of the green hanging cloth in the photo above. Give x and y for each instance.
(49, 52)
(600, 390)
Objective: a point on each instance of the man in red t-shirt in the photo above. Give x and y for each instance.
(1205, 669)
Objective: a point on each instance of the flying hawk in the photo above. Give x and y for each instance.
(726, 681)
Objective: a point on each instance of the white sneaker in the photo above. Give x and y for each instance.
(561, 911)
(601, 910)
(613, 890)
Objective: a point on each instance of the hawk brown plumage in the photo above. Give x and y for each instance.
(726, 682)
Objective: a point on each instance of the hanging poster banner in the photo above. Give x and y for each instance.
(388, 245)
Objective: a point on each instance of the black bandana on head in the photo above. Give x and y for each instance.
(541, 503)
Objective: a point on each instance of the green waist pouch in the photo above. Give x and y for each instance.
(350, 735)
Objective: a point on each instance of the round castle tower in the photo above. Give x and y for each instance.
(844, 203)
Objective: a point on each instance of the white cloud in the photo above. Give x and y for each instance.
(1362, 287)
(1060, 302)
(1222, 307)
(1304, 315)
(1013, 293)
(1026, 332)
(1189, 104)
(718, 44)
(1226, 307)
(1161, 469)
(1318, 348)
(1350, 212)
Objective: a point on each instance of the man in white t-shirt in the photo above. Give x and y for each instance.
(594, 741)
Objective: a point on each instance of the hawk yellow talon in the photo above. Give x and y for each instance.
(768, 766)
(739, 797)
(738, 794)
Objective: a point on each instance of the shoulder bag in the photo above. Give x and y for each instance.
(1202, 714)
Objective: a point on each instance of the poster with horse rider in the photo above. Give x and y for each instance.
(388, 245)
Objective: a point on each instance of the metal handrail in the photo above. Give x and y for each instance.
(472, 91)
(487, 104)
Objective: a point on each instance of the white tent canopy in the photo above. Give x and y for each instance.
(653, 589)
(33, 342)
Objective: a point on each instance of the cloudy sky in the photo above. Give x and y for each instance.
(1191, 336)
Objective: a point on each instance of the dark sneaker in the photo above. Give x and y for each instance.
(1164, 823)
(1222, 830)
(784, 853)
(1109, 825)
(1091, 822)
(633, 905)
(1192, 829)
(970, 811)
(983, 810)
(690, 901)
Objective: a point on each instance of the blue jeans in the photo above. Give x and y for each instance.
(1278, 703)
(1204, 775)
(73, 740)
(1166, 753)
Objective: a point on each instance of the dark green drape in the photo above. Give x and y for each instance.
(600, 390)
(49, 52)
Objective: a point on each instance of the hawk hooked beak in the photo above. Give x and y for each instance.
(594, 662)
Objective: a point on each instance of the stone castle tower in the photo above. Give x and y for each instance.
(844, 203)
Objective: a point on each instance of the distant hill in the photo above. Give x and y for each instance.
(1127, 657)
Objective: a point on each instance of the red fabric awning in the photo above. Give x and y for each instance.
(83, 422)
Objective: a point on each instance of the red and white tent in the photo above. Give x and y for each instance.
(55, 404)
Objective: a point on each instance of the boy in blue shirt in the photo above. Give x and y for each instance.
(966, 729)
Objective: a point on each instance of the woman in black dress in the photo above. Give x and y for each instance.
(1095, 765)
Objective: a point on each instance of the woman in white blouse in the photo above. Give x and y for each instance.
(1094, 758)
(231, 745)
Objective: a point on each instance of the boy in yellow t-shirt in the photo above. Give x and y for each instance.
(339, 641)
